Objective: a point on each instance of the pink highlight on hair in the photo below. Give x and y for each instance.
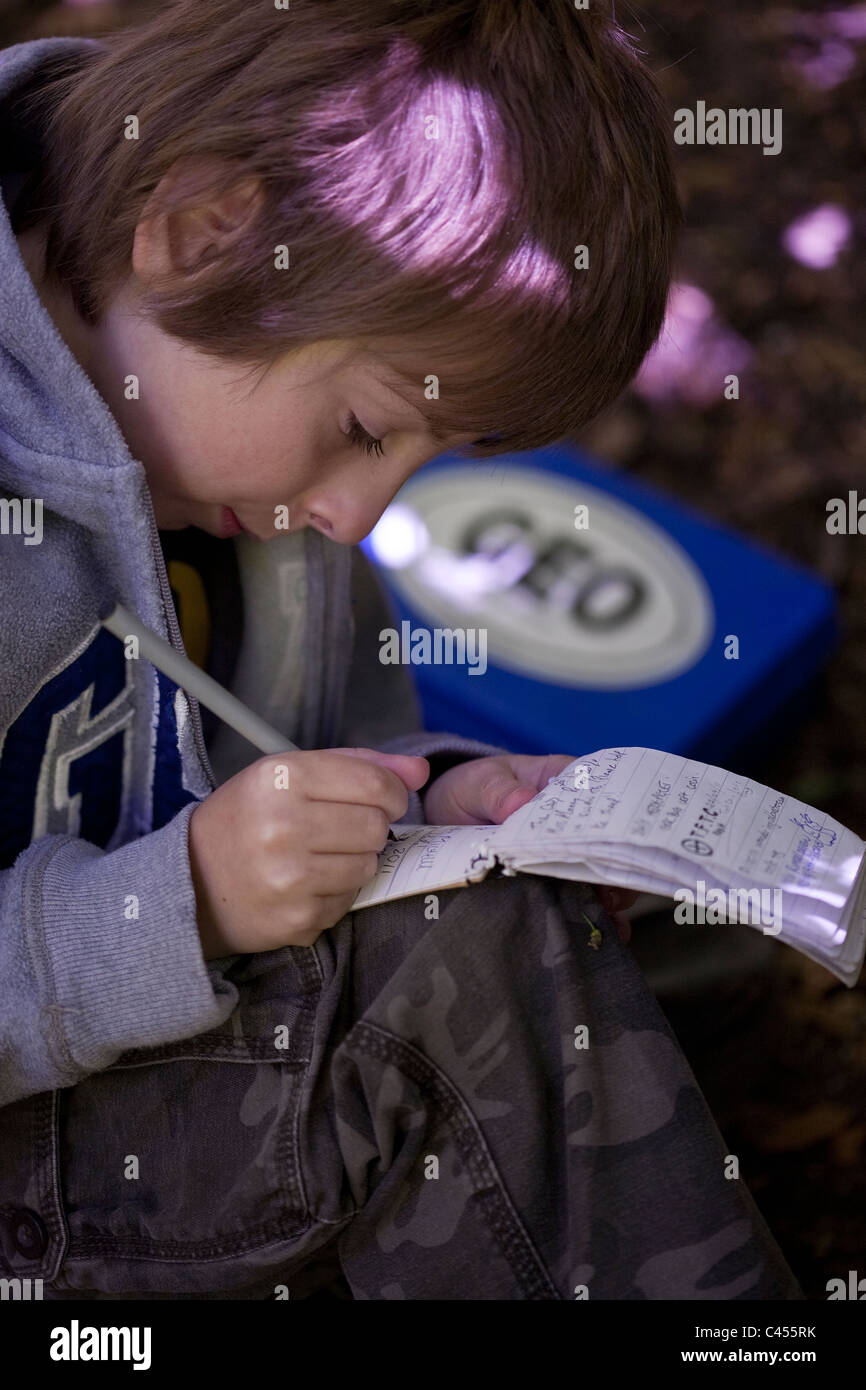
(429, 183)
(451, 256)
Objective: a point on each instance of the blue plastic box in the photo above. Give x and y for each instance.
(611, 614)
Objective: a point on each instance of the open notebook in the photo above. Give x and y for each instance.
(723, 847)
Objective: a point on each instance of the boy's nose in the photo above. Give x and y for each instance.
(348, 532)
(348, 521)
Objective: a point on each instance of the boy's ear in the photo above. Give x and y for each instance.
(187, 241)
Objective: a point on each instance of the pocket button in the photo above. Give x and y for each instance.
(28, 1233)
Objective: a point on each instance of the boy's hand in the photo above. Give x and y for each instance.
(485, 791)
(275, 865)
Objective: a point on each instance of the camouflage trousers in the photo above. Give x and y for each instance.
(487, 1105)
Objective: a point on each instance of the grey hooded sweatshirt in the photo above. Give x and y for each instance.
(103, 759)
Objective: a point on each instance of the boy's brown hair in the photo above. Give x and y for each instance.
(432, 167)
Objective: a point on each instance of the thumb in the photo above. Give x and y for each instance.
(500, 792)
(413, 771)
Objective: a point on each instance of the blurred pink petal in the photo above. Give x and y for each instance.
(827, 67)
(694, 353)
(817, 238)
(848, 24)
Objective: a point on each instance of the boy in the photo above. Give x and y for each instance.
(236, 245)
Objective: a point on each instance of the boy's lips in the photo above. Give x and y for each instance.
(231, 526)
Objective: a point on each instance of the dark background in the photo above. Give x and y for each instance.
(778, 1046)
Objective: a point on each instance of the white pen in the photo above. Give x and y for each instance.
(206, 690)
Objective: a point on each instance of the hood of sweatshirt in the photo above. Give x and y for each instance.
(62, 449)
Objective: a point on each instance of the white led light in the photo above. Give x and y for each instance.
(399, 537)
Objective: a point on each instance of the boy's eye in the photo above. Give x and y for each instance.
(359, 436)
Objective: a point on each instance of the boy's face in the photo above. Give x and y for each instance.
(217, 439)
(214, 436)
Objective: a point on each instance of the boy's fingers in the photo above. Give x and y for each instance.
(499, 795)
(349, 776)
(335, 874)
(331, 910)
(333, 827)
(412, 769)
(615, 899)
(623, 926)
(537, 771)
(334, 906)
(510, 782)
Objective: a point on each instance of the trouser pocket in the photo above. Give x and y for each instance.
(179, 1165)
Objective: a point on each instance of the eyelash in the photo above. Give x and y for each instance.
(359, 436)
